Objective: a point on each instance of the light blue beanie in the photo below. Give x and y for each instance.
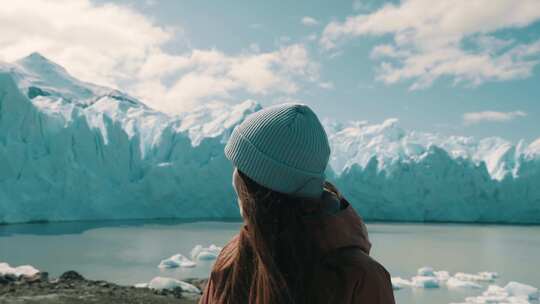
(283, 148)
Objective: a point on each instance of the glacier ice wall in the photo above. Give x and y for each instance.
(390, 174)
(70, 150)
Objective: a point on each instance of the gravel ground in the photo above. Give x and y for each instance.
(71, 287)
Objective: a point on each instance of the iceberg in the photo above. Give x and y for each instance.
(71, 150)
(442, 275)
(522, 290)
(141, 285)
(175, 261)
(24, 270)
(516, 293)
(426, 271)
(400, 283)
(457, 283)
(160, 283)
(425, 282)
(481, 276)
(200, 253)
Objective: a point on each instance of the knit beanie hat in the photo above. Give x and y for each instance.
(283, 148)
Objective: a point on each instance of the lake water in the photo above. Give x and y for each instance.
(128, 252)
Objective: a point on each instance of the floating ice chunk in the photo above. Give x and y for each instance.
(488, 276)
(498, 295)
(522, 290)
(442, 275)
(426, 272)
(24, 270)
(399, 283)
(481, 276)
(205, 253)
(160, 283)
(425, 282)
(141, 285)
(457, 283)
(177, 260)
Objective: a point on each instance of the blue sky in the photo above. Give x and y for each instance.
(454, 67)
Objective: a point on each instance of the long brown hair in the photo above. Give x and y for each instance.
(272, 258)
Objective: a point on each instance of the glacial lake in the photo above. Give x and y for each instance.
(128, 252)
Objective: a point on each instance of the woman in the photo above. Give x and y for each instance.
(301, 241)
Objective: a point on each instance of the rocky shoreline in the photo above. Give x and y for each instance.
(71, 287)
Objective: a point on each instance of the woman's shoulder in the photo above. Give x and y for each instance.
(355, 262)
(354, 276)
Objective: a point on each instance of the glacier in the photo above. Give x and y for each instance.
(71, 150)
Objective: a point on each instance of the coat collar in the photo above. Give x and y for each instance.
(342, 229)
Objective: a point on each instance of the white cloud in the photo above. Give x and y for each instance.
(117, 46)
(102, 44)
(209, 74)
(309, 21)
(429, 37)
(491, 116)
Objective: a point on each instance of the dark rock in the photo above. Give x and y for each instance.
(38, 277)
(44, 276)
(10, 277)
(177, 292)
(103, 284)
(71, 276)
(200, 283)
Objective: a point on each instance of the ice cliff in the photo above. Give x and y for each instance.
(71, 150)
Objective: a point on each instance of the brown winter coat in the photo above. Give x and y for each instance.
(345, 274)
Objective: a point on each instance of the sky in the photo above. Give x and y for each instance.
(455, 67)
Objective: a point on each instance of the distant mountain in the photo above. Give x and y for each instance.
(71, 150)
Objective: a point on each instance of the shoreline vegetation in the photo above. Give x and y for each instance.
(73, 288)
